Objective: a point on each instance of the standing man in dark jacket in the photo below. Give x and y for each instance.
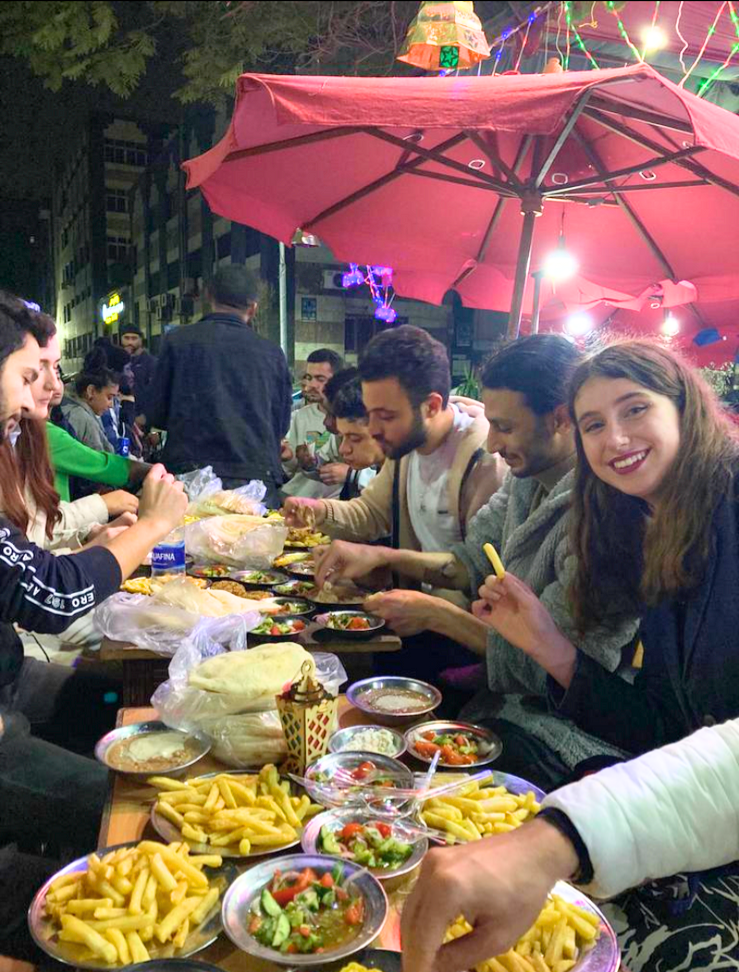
(224, 394)
(143, 364)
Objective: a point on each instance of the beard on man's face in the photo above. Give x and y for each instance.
(417, 437)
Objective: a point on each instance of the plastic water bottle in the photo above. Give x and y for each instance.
(168, 557)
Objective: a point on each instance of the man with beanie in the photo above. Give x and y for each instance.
(222, 393)
(143, 364)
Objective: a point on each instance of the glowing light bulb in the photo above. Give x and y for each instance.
(671, 326)
(654, 38)
(578, 324)
(560, 264)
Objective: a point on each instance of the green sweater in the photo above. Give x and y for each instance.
(69, 457)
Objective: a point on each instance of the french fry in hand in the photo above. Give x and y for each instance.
(497, 564)
(161, 894)
(239, 813)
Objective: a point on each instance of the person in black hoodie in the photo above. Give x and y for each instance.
(222, 393)
(49, 795)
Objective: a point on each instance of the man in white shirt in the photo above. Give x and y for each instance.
(309, 445)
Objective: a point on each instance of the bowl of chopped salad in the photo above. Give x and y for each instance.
(311, 911)
(278, 628)
(355, 779)
(353, 624)
(460, 744)
(258, 578)
(381, 846)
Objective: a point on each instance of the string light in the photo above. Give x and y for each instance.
(578, 38)
(735, 47)
(677, 31)
(702, 51)
(611, 7)
(380, 282)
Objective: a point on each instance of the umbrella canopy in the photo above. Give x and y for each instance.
(468, 183)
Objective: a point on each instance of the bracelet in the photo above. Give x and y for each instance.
(559, 819)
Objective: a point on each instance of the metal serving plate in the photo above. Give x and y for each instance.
(488, 743)
(357, 695)
(302, 570)
(45, 935)
(514, 784)
(339, 740)
(306, 607)
(336, 820)
(166, 829)
(282, 619)
(205, 571)
(144, 729)
(349, 762)
(376, 624)
(243, 893)
(244, 577)
(293, 588)
(605, 955)
(173, 965)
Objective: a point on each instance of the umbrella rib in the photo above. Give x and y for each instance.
(568, 126)
(692, 167)
(288, 143)
(431, 155)
(595, 160)
(497, 213)
(594, 190)
(627, 171)
(406, 169)
(641, 114)
(494, 157)
(455, 180)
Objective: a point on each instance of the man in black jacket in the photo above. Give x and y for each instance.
(224, 394)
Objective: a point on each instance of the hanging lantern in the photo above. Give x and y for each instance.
(445, 37)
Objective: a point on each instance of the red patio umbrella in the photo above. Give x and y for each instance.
(467, 183)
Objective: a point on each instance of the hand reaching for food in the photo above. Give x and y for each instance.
(334, 473)
(342, 560)
(162, 498)
(406, 612)
(120, 501)
(300, 511)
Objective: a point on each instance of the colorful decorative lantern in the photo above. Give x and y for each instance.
(445, 37)
(308, 715)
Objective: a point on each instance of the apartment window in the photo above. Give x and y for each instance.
(122, 152)
(117, 248)
(116, 201)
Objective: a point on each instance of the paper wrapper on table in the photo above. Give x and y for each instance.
(309, 716)
(211, 692)
(239, 541)
(161, 623)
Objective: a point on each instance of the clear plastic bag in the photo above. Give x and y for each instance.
(208, 497)
(142, 622)
(242, 732)
(236, 541)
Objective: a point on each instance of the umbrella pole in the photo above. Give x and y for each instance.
(538, 276)
(531, 208)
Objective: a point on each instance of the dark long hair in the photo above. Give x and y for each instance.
(28, 465)
(28, 468)
(625, 557)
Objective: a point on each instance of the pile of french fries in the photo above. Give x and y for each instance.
(243, 814)
(474, 812)
(151, 894)
(554, 943)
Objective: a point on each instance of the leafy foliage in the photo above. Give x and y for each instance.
(211, 41)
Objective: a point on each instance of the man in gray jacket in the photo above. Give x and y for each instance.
(525, 394)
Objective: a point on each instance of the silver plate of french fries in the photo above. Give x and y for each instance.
(237, 815)
(570, 935)
(131, 903)
(479, 808)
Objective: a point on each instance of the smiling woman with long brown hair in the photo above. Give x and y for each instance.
(656, 532)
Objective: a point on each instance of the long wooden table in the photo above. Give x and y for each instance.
(144, 671)
(126, 817)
